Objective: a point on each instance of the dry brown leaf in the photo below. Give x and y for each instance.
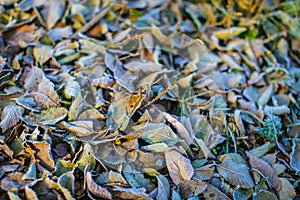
(132, 193)
(266, 170)
(192, 188)
(43, 153)
(212, 193)
(94, 188)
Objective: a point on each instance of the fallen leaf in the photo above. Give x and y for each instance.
(240, 193)
(132, 193)
(27, 103)
(93, 187)
(36, 81)
(30, 194)
(67, 181)
(204, 149)
(295, 155)
(265, 96)
(237, 158)
(50, 116)
(42, 54)
(191, 188)
(179, 167)
(287, 191)
(266, 170)
(10, 116)
(229, 33)
(163, 188)
(158, 132)
(181, 130)
(212, 193)
(43, 153)
(236, 174)
(260, 151)
(264, 194)
(52, 12)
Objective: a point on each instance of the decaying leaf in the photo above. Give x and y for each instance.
(51, 116)
(36, 81)
(30, 194)
(10, 116)
(262, 150)
(229, 33)
(42, 54)
(295, 155)
(131, 193)
(236, 174)
(237, 158)
(154, 133)
(163, 189)
(204, 149)
(27, 103)
(212, 193)
(94, 188)
(179, 167)
(192, 188)
(67, 180)
(43, 153)
(287, 190)
(264, 194)
(240, 193)
(182, 132)
(266, 170)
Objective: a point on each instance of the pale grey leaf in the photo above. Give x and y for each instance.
(260, 151)
(163, 188)
(179, 167)
(287, 191)
(236, 174)
(181, 130)
(295, 155)
(10, 116)
(205, 150)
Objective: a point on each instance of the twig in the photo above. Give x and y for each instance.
(253, 115)
(120, 14)
(159, 96)
(93, 21)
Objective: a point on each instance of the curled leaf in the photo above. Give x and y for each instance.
(94, 188)
(181, 130)
(295, 155)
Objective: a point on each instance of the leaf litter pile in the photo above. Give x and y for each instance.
(149, 99)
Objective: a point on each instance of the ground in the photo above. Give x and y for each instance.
(147, 99)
